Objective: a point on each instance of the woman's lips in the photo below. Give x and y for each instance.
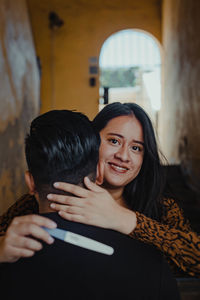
(117, 168)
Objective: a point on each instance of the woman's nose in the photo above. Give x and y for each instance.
(122, 154)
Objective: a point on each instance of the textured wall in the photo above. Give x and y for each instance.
(181, 105)
(65, 51)
(19, 96)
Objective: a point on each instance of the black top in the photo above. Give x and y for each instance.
(135, 270)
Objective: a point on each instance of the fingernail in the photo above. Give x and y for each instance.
(50, 240)
(52, 205)
(56, 184)
(52, 224)
(49, 196)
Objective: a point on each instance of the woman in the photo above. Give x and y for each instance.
(133, 177)
(130, 198)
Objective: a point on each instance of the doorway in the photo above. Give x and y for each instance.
(130, 71)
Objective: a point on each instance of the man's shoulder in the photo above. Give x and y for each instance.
(120, 242)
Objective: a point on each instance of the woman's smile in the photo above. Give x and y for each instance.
(118, 168)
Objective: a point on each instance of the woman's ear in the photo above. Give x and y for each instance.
(30, 182)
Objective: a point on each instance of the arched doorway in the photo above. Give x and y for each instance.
(130, 70)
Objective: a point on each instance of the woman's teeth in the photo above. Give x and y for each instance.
(119, 168)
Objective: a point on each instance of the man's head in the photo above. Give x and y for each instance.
(61, 146)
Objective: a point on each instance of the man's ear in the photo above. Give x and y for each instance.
(30, 182)
(100, 171)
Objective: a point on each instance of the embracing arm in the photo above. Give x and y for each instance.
(95, 206)
(173, 237)
(92, 206)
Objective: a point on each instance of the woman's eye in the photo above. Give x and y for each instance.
(113, 141)
(136, 148)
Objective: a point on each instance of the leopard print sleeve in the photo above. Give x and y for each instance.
(173, 237)
(174, 216)
(25, 205)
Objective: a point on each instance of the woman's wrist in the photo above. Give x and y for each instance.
(128, 221)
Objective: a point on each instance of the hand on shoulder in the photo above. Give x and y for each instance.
(93, 206)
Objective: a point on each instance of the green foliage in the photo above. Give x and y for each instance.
(119, 77)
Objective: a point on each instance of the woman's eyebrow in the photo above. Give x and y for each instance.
(117, 134)
(138, 142)
(121, 136)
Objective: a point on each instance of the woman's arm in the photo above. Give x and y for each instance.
(174, 216)
(25, 205)
(92, 206)
(174, 238)
(173, 235)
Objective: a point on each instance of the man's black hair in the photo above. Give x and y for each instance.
(62, 146)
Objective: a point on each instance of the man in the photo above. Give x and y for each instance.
(63, 146)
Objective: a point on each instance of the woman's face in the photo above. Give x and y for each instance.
(121, 150)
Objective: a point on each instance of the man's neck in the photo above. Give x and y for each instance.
(44, 206)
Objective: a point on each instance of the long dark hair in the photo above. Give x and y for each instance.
(144, 193)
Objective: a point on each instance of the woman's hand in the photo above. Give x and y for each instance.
(20, 237)
(93, 206)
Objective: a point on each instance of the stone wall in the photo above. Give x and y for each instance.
(19, 96)
(180, 119)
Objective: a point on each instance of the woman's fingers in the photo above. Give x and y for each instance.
(31, 225)
(72, 189)
(36, 232)
(27, 243)
(67, 209)
(78, 191)
(92, 186)
(92, 205)
(35, 219)
(62, 202)
(23, 237)
(16, 233)
(58, 207)
(73, 217)
(19, 252)
(66, 200)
